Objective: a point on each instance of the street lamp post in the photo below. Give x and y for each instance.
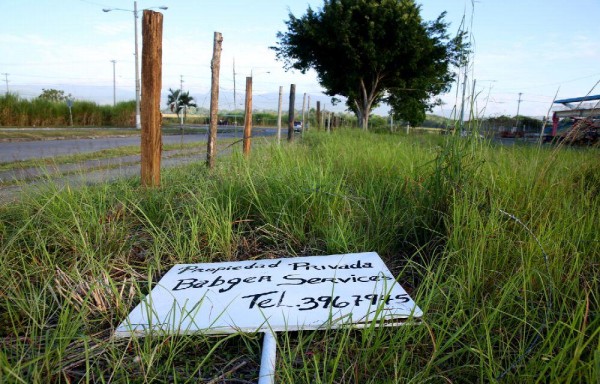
(138, 120)
(114, 83)
(6, 79)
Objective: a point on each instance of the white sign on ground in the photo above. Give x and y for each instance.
(274, 295)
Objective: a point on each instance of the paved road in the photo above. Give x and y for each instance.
(86, 173)
(92, 171)
(25, 150)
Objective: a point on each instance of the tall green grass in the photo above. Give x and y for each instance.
(19, 112)
(459, 221)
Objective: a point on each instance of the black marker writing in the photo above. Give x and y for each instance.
(294, 280)
(217, 282)
(197, 269)
(306, 266)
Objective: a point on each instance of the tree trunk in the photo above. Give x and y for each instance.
(365, 101)
(362, 115)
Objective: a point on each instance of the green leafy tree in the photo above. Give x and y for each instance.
(54, 95)
(178, 101)
(372, 51)
(408, 109)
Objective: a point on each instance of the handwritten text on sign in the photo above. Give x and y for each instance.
(280, 294)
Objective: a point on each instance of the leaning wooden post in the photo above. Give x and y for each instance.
(151, 118)
(291, 112)
(215, 66)
(248, 117)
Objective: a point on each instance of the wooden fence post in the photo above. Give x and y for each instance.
(248, 117)
(151, 118)
(308, 108)
(318, 114)
(291, 112)
(215, 66)
(303, 112)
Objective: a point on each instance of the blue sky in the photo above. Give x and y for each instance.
(531, 46)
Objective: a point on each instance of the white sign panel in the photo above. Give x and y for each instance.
(272, 295)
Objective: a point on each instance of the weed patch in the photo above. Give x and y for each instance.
(440, 210)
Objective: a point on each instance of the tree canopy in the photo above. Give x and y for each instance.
(372, 51)
(54, 95)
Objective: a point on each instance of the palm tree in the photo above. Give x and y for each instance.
(177, 100)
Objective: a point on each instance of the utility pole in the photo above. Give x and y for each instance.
(180, 91)
(138, 119)
(234, 90)
(114, 84)
(518, 107)
(183, 107)
(247, 117)
(6, 80)
(138, 123)
(234, 100)
(279, 115)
